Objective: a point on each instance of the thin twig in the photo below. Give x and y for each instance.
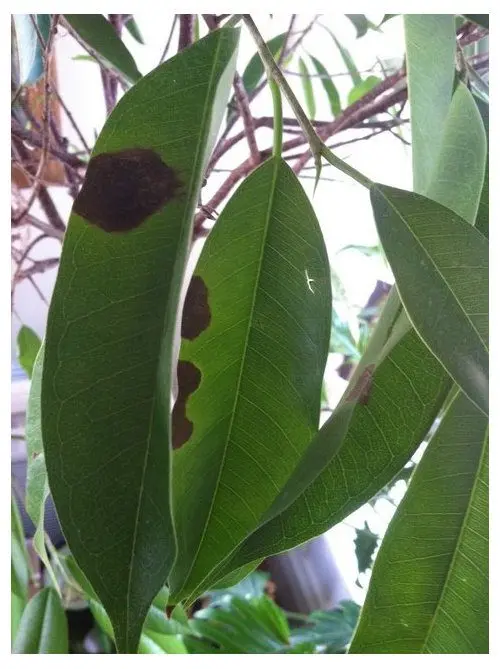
(169, 40)
(28, 136)
(246, 115)
(72, 121)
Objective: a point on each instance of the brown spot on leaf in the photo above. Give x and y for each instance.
(196, 315)
(189, 378)
(361, 391)
(122, 189)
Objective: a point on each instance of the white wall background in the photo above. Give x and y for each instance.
(342, 206)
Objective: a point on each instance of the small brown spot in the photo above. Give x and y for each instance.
(189, 378)
(362, 388)
(122, 189)
(196, 315)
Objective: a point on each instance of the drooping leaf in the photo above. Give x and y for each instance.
(387, 17)
(365, 544)
(98, 33)
(254, 71)
(307, 87)
(29, 49)
(361, 24)
(440, 263)
(251, 364)
(361, 89)
(329, 86)
(133, 29)
(43, 628)
(37, 487)
(429, 588)
(430, 56)
(28, 345)
(107, 362)
(347, 58)
(457, 178)
(482, 20)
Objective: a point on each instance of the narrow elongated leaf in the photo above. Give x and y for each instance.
(133, 29)
(99, 34)
(43, 628)
(361, 24)
(430, 57)
(347, 58)
(429, 588)
(329, 86)
(19, 556)
(308, 89)
(28, 345)
(107, 362)
(361, 89)
(440, 263)
(17, 605)
(253, 352)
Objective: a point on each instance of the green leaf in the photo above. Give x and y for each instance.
(333, 629)
(430, 55)
(347, 58)
(28, 345)
(329, 86)
(17, 605)
(379, 441)
(458, 175)
(483, 212)
(19, 559)
(260, 357)
(362, 24)
(440, 263)
(387, 17)
(107, 362)
(29, 49)
(362, 89)
(308, 89)
(482, 20)
(365, 544)
(254, 71)
(99, 34)
(159, 643)
(133, 29)
(429, 587)
(43, 628)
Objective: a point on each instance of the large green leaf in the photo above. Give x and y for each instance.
(28, 345)
(440, 263)
(430, 58)
(43, 628)
(483, 212)
(100, 35)
(429, 588)
(108, 352)
(253, 351)
(329, 86)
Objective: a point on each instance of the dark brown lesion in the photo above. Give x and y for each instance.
(189, 378)
(196, 314)
(362, 388)
(124, 188)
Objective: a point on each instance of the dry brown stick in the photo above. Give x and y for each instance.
(186, 30)
(246, 116)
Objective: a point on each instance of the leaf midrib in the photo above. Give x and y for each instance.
(242, 366)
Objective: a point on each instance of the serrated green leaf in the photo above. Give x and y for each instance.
(440, 263)
(482, 20)
(133, 29)
(261, 362)
(365, 544)
(307, 87)
(429, 588)
(100, 35)
(362, 89)
(430, 56)
(107, 362)
(29, 49)
(329, 87)
(28, 345)
(43, 628)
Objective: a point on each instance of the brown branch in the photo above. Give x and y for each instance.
(68, 159)
(72, 120)
(246, 115)
(186, 30)
(46, 228)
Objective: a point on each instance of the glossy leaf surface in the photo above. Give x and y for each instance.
(255, 348)
(107, 363)
(440, 263)
(429, 588)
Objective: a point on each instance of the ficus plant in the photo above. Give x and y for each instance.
(177, 431)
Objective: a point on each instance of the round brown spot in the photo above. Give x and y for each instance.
(122, 189)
